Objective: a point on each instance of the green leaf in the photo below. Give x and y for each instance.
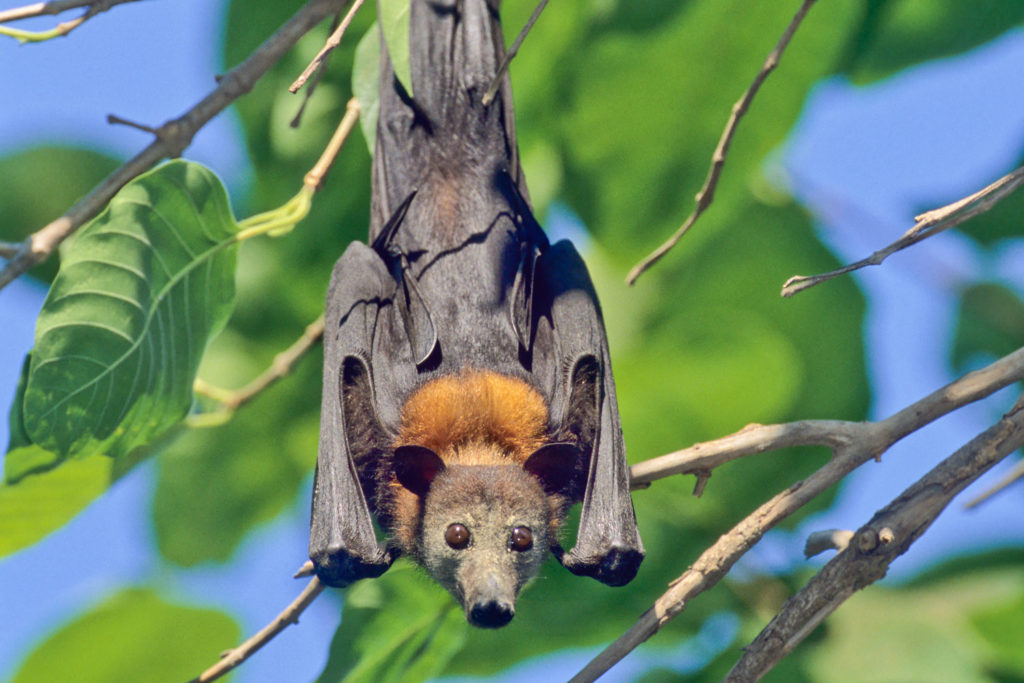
(394, 22)
(141, 290)
(366, 83)
(16, 420)
(42, 503)
(990, 325)
(132, 636)
(400, 627)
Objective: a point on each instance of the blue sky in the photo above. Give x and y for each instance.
(864, 159)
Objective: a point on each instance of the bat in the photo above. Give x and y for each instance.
(468, 398)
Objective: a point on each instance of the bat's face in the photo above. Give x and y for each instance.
(485, 534)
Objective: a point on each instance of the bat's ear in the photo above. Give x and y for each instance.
(416, 467)
(553, 464)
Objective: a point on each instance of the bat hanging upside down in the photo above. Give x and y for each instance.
(468, 398)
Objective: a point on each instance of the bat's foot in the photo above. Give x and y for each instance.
(616, 566)
(340, 569)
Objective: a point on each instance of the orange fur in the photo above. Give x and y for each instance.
(476, 418)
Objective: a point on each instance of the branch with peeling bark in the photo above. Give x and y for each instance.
(707, 191)
(887, 536)
(927, 224)
(171, 138)
(852, 444)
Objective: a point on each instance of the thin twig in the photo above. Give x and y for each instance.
(172, 138)
(9, 249)
(888, 535)
(853, 443)
(281, 367)
(115, 120)
(827, 539)
(51, 8)
(707, 192)
(492, 89)
(1013, 476)
(927, 224)
(289, 616)
(315, 177)
(332, 42)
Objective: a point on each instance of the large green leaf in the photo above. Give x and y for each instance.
(42, 503)
(1002, 627)
(378, 643)
(141, 290)
(133, 636)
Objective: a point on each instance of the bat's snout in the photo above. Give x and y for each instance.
(491, 613)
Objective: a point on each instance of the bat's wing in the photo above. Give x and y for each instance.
(342, 541)
(583, 404)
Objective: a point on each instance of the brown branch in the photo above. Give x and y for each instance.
(927, 224)
(853, 443)
(40, 9)
(707, 192)
(828, 539)
(172, 138)
(290, 615)
(332, 42)
(888, 535)
(51, 8)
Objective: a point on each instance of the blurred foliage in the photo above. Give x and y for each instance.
(130, 637)
(30, 198)
(619, 107)
(990, 325)
(895, 34)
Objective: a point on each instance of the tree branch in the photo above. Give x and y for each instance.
(47, 8)
(853, 443)
(172, 138)
(927, 224)
(290, 615)
(332, 42)
(707, 192)
(492, 89)
(888, 535)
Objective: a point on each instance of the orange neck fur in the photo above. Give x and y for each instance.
(476, 418)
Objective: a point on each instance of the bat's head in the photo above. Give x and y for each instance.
(486, 529)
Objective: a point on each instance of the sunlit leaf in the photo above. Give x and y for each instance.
(133, 636)
(141, 290)
(366, 83)
(41, 503)
(394, 23)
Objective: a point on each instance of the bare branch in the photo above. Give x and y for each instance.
(332, 42)
(927, 224)
(51, 8)
(707, 192)
(172, 138)
(888, 535)
(853, 443)
(290, 615)
(492, 89)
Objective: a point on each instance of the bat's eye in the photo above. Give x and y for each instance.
(521, 540)
(457, 536)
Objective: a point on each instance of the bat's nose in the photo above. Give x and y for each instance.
(491, 613)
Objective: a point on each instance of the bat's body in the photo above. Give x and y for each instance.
(468, 396)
